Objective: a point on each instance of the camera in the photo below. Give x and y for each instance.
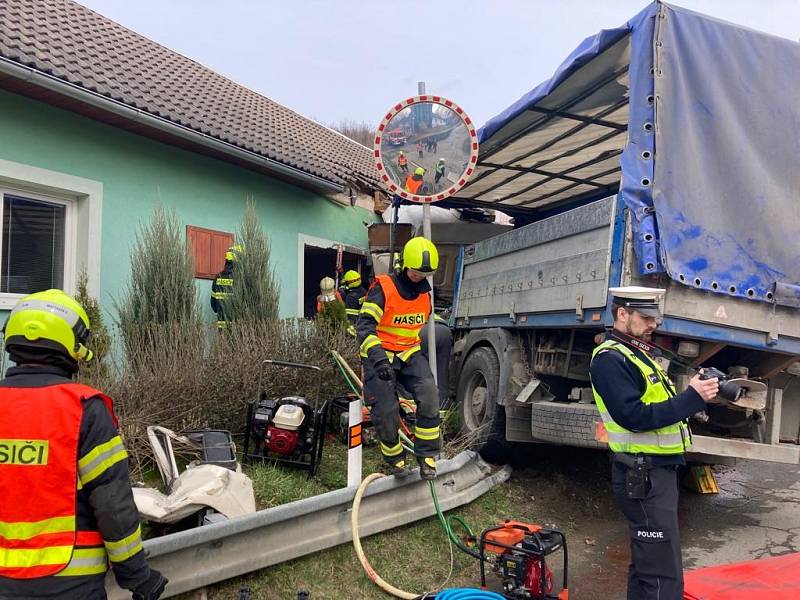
(728, 390)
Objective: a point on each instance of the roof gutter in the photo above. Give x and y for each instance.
(65, 88)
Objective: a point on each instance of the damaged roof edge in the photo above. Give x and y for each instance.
(59, 86)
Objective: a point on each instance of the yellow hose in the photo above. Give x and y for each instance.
(387, 587)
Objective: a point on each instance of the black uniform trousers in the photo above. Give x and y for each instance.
(656, 568)
(381, 396)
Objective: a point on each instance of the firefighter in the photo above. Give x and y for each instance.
(402, 162)
(222, 288)
(327, 293)
(353, 293)
(648, 434)
(414, 182)
(58, 538)
(396, 308)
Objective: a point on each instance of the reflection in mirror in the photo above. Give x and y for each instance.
(425, 148)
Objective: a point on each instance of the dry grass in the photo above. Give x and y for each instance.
(183, 377)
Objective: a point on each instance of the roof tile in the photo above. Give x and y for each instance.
(77, 45)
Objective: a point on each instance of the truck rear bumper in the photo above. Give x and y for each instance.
(713, 446)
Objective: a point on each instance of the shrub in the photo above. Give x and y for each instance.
(333, 314)
(179, 384)
(100, 341)
(161, 287)
(256, 289)
(161, 290)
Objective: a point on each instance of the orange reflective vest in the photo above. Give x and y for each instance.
(402, 319)
(39, 431)
(402, 160)
(413, 185)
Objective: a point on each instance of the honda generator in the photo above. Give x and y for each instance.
(519, 551)
(289, 430)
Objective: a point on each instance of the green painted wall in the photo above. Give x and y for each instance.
(136, 172)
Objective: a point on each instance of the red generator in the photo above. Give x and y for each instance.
(519, 551)
(289, 430)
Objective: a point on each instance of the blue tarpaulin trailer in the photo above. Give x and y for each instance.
(661, 153)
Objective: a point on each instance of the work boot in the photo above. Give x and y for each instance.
(401, 468)
(427, 467)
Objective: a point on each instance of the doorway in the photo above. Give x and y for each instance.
(319, 260)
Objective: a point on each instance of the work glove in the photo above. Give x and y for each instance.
(384, 370)
(152, 588)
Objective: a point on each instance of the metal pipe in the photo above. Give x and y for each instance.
(395, 206)
(426, 231)
(65, 88)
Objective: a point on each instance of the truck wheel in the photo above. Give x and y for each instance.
(567, 424)
(479, 413)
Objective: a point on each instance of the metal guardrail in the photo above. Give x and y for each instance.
(199, 557)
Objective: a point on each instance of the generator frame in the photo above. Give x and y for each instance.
(319, 413)
(528, 553)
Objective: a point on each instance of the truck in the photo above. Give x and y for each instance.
(663, 154)
(396, 137)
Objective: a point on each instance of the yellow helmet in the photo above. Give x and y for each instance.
(52, 320)
(233, 253)
(419, 254)
(352, 279)
(419, 171)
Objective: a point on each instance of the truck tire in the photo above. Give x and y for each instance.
(565, 423)
(478, 410)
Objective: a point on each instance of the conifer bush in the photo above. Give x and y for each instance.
(161, 288)
(256, 289)
(100, 342)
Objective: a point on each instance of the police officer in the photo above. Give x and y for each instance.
(396, 308)
(56, 537)
(222, 288)
(353, 294)
(648, 434)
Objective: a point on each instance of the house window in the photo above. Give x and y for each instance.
(208, 249)
(35, 244)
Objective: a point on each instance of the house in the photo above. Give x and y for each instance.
(97, 123)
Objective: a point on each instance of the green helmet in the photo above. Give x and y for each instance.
(52, 320)
(419, 254)
(419, 171)
(233, 253)
(352, 279)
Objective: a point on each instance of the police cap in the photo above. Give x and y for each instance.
(643, 300)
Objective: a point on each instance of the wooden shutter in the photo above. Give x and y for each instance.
(208, 249)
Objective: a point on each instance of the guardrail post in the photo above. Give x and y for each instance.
(354, 443)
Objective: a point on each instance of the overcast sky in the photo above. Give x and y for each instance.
(352, 59)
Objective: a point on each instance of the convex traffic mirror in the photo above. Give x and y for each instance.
(426, 148)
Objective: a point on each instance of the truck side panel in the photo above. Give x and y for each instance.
(545, 266)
